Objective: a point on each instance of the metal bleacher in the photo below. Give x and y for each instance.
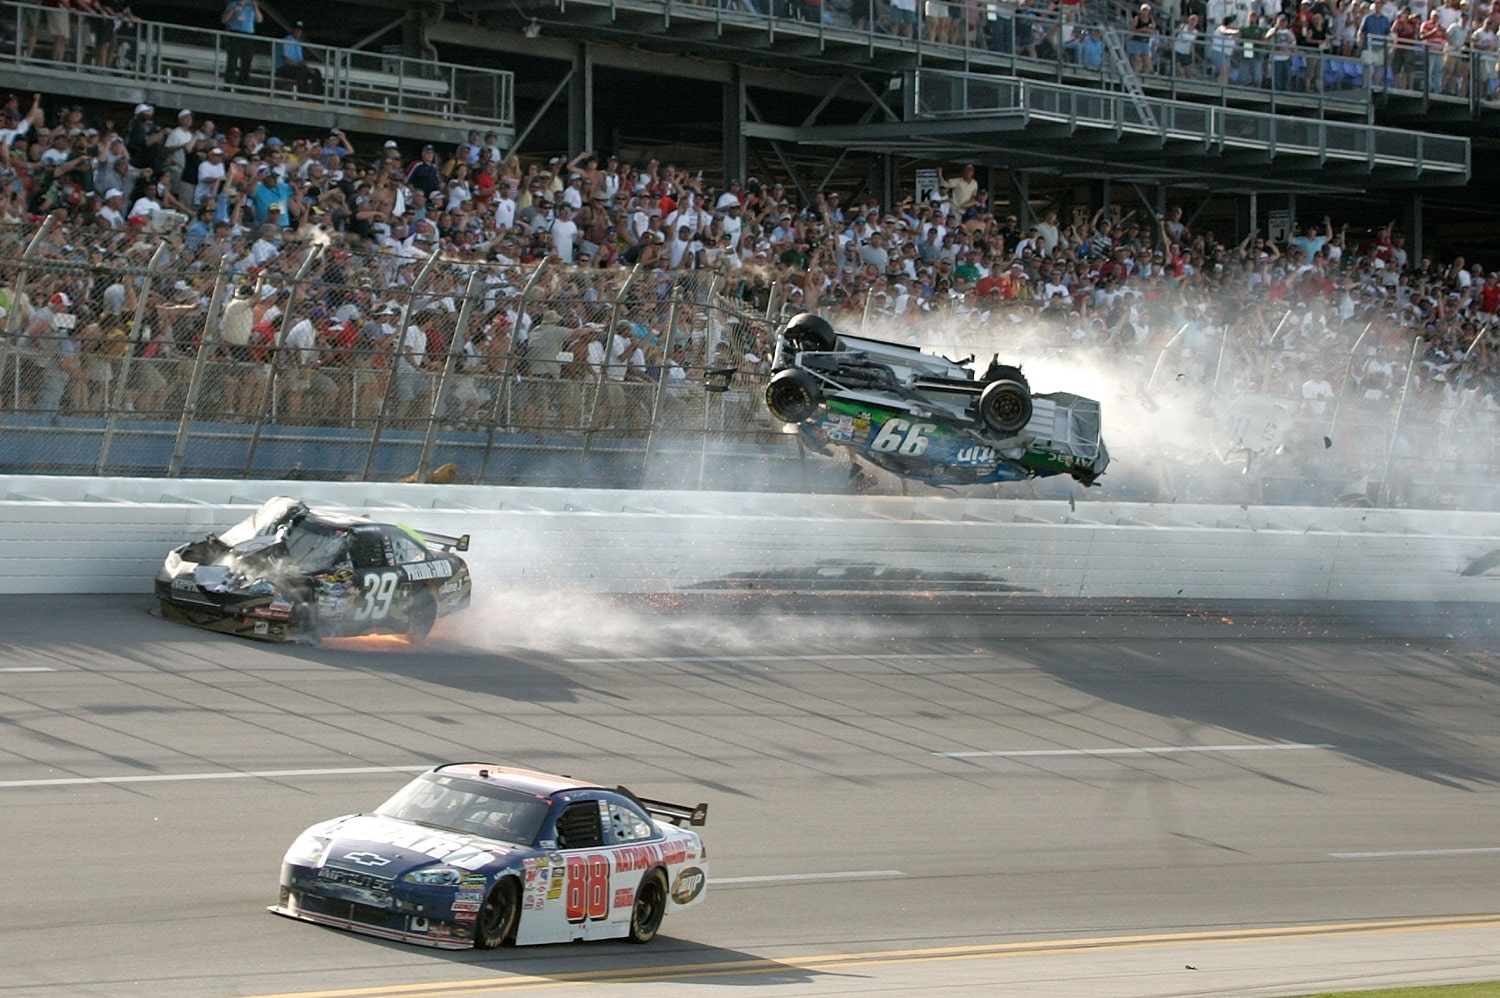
(180, 66)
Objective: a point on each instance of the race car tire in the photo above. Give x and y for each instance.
(421, 617)
(650, 907)
(1005, 407)
(792, 395)
(498, 915)
(810, 331)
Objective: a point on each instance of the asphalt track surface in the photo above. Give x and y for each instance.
(970, 795)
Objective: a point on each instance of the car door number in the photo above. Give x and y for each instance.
(587, 895)
(901, 437)
(376, 591)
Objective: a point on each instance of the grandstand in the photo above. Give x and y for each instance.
(817, 94)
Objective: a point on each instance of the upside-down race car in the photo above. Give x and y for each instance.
(926, 417)
(470, 854)
(288, 572)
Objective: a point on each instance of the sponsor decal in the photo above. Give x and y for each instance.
(624, 897)
(466, 906)
(261, 627)
(472, 880)
(466, 916)
(366, 858)
(673, 852)
(555, 891)
(467, 897)
(689, 885)
(274, 611)
(421, 571)
(452, 586)
(629, 858)
(975, 454)
(186, 585)
(840, 428)
(417, 924)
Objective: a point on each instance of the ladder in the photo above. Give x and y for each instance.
(1129, 80)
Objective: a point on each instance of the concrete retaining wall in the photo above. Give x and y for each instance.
(67, 534)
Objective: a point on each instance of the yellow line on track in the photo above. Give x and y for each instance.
(837, 961)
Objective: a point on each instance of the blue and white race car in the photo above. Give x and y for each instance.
(926, 417)
(471, 854)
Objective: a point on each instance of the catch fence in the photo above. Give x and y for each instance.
(146, 356)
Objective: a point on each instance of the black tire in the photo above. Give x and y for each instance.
(810, 331)
(498, 916)
(1005, 407)
(650, 907)
(421, 617)
(792, 395)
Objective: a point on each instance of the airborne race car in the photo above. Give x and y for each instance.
(469, 854)
(925, 417)
(289, 573)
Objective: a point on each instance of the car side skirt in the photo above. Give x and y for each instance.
(290, 910)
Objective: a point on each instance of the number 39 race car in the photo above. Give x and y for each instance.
(925, 417)
(291, 573)
(470, 854)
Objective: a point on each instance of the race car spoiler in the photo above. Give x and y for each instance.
(677, 814)
(446, 541)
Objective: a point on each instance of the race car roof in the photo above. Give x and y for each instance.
(524, 780)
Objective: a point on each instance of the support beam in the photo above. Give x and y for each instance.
(581, 101)
(733, 123)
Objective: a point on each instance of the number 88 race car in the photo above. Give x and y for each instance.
(289, 573)
(925, 417)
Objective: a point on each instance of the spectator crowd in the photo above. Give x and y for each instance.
(1320, 313)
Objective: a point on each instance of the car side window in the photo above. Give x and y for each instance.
(368, 550)
(578, 827)
(407, 550)
(625, 825)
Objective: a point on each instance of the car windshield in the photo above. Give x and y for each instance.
(469, 807)
(315, 547)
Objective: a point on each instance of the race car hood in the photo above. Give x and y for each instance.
(390, 848)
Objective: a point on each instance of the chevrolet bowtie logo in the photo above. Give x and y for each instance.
(366, 858)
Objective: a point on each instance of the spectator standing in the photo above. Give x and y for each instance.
(1221, 48)
(1253, 51)
(1374, 33)
(240, 19)
(1404, 46)
(1433, 40)
(424, 174)
(1185, 46)
(1142, 38)
(1283, 43)
(1456, 58)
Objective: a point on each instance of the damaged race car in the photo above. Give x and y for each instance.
(925, 417)
(291, 573)
(470, 854)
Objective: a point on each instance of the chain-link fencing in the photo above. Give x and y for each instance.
(137, 356)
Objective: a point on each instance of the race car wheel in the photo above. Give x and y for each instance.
(498, 917)
(421, 617)
(792, 395)
(650, 907)
(809, 331)
(1005, 407)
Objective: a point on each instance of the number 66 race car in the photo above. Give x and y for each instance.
(469, 854)
(925, 417)
(288, 573)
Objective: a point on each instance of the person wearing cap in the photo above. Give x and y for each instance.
(291, 63)
(109, 212)
(424, 174)
(143, 139)
(53, 349)
(275, 200)
(240, 19)
(181, 142)
(211, 170)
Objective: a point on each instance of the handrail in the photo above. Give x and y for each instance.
(153, 52)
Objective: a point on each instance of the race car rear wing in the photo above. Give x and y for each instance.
(677, 814)
(445, 541)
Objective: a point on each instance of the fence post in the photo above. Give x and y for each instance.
(1390, 450)
(207, 342)
(10, 351)
(661, 386)
(602, 375)
(115, 394)
(395, 359)
(268, 400)
(455, 350)
(511, 359)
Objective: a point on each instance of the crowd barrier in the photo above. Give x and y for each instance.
(174, 366)
(80, 535)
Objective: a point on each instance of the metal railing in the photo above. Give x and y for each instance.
(253, 65)
(941, 93)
